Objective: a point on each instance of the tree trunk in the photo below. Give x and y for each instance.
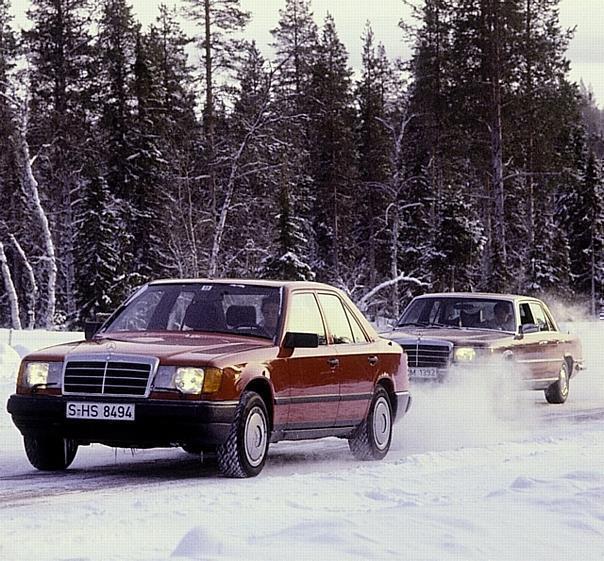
(492, 68)
(209, 112)
(32, 293)
(30, 188)
(13, 299)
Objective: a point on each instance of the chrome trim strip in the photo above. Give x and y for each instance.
(322, 398)
(539, 360)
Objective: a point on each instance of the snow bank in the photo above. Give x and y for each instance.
(9, 363)
(461, 482)
(25, 341)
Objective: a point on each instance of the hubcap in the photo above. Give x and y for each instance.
(255, 437)
(381, 423)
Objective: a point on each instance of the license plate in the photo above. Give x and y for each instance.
(100, 411)
(425, 373)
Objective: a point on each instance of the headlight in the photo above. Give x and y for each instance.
(464, 354)
(188, 379)
(42, 374)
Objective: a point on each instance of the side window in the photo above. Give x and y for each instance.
(177, 314)
(525, 314)
(304, 316)
(138, 314)
(540, 318)
(357, 330)
(337, 322)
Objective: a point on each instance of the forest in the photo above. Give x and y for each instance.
(131, 153)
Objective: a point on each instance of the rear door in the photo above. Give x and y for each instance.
(358, 362)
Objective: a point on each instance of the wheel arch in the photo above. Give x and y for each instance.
(263, 388)
(388, 385)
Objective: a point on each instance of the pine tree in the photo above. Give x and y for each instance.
(219, 21)
(373, 141)
(295, 44)
(59, 47)
(250, 230)
(503, 62)
(101, 281)
(116, 148)
(115, 56)
(286, 263)
(170, 129)
(332, 153)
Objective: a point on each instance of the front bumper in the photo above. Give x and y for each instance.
(157, 422)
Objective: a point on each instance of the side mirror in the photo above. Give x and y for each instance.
(529, 328)
(294, 340)
(91, 328)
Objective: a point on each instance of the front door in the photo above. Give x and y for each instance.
(537, 353)
(314, 393)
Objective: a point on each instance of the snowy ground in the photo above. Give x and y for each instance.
(460, 483)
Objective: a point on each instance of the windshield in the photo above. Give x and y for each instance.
(209, 307)
(460, 312)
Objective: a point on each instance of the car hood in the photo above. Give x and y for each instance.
(167, 347)
(459, 337)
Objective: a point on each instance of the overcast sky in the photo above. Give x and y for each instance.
(586, 52)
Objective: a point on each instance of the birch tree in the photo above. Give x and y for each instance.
(29, 185)
(9, 286)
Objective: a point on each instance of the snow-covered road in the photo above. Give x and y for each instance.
(460, 483)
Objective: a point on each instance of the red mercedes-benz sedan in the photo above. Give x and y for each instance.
(220, 367)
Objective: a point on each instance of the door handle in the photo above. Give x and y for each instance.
(373, 360)
(333, 362)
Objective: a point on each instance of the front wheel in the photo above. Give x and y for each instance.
(50, 453)
(558, 391)
(246, 447)
(371, 440)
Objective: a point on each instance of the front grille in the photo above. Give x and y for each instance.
(101, 377)
(427, 356)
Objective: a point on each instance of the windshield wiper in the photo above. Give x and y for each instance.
(414, 323)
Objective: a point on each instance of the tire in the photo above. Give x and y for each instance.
(245, 450)
(371, 440)
(558, 391)
(50, 453)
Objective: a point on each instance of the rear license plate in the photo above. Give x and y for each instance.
(425, 373)
(100, 411)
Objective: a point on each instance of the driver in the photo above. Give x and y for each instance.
(270, 315)
(503, 317)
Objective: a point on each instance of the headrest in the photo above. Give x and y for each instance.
(241, 316)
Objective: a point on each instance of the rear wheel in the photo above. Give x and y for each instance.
(245, 450)
(371, 440)
(50, 453)
(558, 391)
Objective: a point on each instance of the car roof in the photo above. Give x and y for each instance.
(486, 295)
(251, 282)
